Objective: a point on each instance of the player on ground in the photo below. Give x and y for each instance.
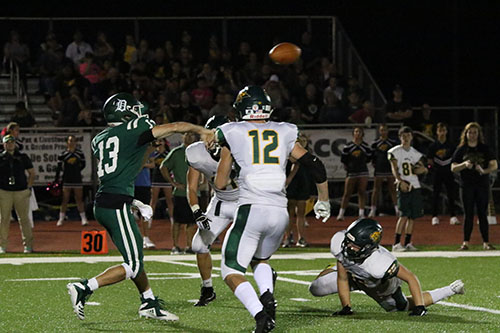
(260, 150)
(120, 150)
(220, 211)
(362, 264)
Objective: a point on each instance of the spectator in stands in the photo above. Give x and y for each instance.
(382, 167)
(221, 108)
(71, 108)
(354, 102)
(364, 115)
(71, 162)
(89, 69)
(475, 161)
(77, 49)
(51, 61)
(310, 54)
(355, 157)
(331, 112)
(103, 50)
(163, 110)
(142, 55)
(22, 116)
(397, 108)
(186, 62)
(175, 163)
(243, 54)
(202, 96)
(67, 79)
(407, 163)
(157, 68)
(250, 70)
(353, 85)
(18, 52)
(186, 111)
(294, 116)
(277, 91)
(15, 192)
(160, 184)
(112, 84)
(439, 158)
(209, 74)
(129, 50)
(86, 118)
(310, 104)
(333, 86)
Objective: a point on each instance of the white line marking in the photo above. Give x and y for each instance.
(92, 303)
(300, 299)
(469, 307)
(46, 279)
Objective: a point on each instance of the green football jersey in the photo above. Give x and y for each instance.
(119, 157)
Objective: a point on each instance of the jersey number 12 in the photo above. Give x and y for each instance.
(267, 135)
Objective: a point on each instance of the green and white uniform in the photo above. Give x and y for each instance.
(223, 204)
(120, 159)
(260, 152)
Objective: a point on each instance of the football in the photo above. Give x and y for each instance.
(285, 53)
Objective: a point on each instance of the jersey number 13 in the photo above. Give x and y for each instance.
(108, 156)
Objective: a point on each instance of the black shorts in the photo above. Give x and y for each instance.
(182, 211)
(143, 194)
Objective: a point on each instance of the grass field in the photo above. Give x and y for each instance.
(33, 297)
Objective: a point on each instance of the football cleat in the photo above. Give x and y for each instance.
(154, 308)
(269, 303)
(302, 243)
(454, 220)
(207, 296)
(458, 287)
(79, 293)
(410, 248)
(435, 221)
(263, 322)
(147, 243)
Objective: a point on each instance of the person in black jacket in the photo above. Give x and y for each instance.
(355, 157)
(439, 158)
(475, 161)
(71, 162)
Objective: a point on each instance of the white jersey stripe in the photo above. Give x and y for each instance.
(132, 240)
(124, 236)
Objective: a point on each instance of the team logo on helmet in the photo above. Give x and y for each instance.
(121, 105)
(375, 236)
(241, 95)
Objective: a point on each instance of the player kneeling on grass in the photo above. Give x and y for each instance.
(120, 150)
(362, 264)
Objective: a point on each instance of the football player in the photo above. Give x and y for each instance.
(220, 211)
(260, 149)
(362, 264)
(120, 150)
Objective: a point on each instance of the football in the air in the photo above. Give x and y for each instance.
(285, 53)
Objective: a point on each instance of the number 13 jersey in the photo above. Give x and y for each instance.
(260, 152)
(119, 156)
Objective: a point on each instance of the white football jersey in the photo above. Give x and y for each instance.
(369, 272)
(199, 158)
(260, 152)
(406, 160)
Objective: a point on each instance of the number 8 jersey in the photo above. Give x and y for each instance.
(119, 156)
(260, 152)
(406, 160)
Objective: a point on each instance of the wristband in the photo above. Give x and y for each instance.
(195, 207)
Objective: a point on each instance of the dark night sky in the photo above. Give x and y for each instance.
(441, 52)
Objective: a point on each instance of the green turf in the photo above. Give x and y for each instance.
(43, 306)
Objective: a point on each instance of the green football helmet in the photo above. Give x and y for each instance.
(121, 108)
(253, 103)
(364, 234)
(215, 121)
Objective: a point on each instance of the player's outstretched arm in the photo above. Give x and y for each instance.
(413, 283)
(165, 130)
(344, 291)
(223, 169)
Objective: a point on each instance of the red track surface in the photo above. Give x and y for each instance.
(49, 238)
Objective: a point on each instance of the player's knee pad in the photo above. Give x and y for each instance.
(198, 245)
(324, 285)
(132, 271)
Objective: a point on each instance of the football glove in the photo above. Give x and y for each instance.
(145, 210)
(346, 311)
(201, 219)
(322, 210)
(419, 310)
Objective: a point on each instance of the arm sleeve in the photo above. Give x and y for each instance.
(27, 162)
(392, 270)
(145, 137)
(315, 167)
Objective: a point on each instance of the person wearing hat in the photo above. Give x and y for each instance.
(15, 192)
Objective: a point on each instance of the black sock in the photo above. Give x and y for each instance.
(397, 239)
(407, 239)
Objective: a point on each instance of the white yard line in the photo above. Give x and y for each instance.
(469, 307)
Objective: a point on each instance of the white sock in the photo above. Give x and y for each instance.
(441, 293)
(93, 285)
(361, 212)
(207, 283)
(373, 210)
(263, 276)
(62, 215)
(148, 294)
(396, 209)
(341, 211)
(247, 296)
(82, 216)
